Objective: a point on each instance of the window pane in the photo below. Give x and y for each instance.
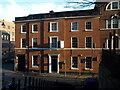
(24, 28)
(115, 5)
(54, 27)
(115, 22)
(88, 42)
(8, 27)
(54, 42)
(74, 42)
(35, 60)
(109, 7)
(88, 25)
(74, 62)
(35, 42)
(89, 62)
(35, 28)
(74, 26)
(23, 43)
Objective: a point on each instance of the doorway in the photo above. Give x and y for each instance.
(54, 60)
(53, 63)
(21, 62)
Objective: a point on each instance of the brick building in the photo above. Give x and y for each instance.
(61, 41)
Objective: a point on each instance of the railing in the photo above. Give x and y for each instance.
(32, 83)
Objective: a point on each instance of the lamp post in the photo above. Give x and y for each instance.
(3, 25)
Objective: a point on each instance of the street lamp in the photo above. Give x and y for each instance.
(1, 54)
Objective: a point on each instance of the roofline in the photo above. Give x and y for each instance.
(58, 18)
(62, 12)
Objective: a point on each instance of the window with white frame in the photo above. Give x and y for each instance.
(88, 63)
(88, 26)
(74, 26)
(113, 22)
(53, 26)
(23, 29)
(23, 43)
(89, 43)
(117, 45)
(35, 61)
(74, 62)
(34, 28)
(74, 42)
(54, 42)
(2, 37)
(34, 42)
(113, 5)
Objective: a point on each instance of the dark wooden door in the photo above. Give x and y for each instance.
(54, 60)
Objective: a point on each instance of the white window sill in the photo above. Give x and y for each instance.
(23, 32)
(87, 69)
(53, 31)
(35, 66)
(74, 30)
(109, 28)
(34, 32)
(88, 30)
(74, 69)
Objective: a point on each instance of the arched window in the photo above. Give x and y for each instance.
(113, 22)
(113, 5)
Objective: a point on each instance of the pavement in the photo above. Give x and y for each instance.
(8, 74)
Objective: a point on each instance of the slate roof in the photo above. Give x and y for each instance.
(53, 14)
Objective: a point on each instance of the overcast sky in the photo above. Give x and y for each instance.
(9, 9)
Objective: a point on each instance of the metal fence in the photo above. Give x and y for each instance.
(32, 83)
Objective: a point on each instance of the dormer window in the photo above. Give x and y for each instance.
(113, 5)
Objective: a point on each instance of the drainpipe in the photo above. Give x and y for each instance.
(27, 37)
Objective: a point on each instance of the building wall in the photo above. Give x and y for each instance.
(10, 28)
(106, 14)
(64, 34)
(99, 33)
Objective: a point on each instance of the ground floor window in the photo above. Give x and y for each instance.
(34, 61)
(74, 63)
(88, 63)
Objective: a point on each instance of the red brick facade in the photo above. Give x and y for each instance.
(80, 59)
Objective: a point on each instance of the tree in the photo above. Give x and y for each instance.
(79, 3)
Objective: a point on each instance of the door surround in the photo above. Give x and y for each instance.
(50, 64)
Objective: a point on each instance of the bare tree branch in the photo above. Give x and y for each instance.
(82, 4)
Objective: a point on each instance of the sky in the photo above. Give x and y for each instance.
(9, 9)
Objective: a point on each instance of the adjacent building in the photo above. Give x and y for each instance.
(70, 41)
(8, 38)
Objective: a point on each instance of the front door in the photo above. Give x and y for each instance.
(53, 63)
(54, 66)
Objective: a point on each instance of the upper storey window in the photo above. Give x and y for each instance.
(35, 28)
(53, 26)
(74, 26)
(113, 5)
(113, 22)
(23, 29)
